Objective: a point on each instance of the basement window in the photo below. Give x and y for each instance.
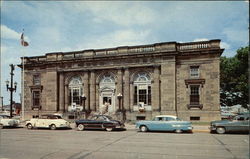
(140, 117)
(195, 118)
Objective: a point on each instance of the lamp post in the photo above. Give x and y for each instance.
(11, 88)
(1, 103)
(119, 96)
(83, 99)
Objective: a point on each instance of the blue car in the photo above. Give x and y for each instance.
(164, 123)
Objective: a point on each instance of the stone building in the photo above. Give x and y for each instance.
(141, 81)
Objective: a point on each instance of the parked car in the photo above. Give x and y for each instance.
(239, 123)
(48, 121)
(6, 121)
(164, 123)
(104, 122)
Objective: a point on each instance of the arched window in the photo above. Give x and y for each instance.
(75, 90)
(142, 88)
(106, 79)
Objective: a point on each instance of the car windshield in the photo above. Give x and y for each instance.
(109, 117)
(5, 116)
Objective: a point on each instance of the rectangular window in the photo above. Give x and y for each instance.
(36, 80)
(143, 96)
(36, 98)
(194, 71)
(194, 118)
(149, 95)
(76, 96)
(135, 95)
(194, 94)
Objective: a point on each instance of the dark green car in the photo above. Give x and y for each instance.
(239, 123)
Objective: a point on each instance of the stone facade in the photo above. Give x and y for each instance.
(164, 78)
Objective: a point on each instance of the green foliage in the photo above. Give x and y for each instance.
(234, 82)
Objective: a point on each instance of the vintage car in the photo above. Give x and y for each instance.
(164, 123)
(47, 121)
(6, 121)
(239, 123)
(104, 122)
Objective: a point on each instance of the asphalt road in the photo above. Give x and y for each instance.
(21, 143)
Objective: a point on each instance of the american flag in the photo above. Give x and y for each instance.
(24, 43)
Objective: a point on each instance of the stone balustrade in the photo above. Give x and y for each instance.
(126, 50)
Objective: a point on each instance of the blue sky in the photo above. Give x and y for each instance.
(53, 26)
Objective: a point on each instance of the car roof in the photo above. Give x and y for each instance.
(166, 116)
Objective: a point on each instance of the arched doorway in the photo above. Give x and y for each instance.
(107, 92)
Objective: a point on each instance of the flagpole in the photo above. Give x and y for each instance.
(23, 52)
(23, 87)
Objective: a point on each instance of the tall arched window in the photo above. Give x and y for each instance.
(142, 88)
(75, 90)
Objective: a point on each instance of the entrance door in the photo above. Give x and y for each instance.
(107, 98)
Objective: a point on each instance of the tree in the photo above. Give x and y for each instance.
(234, 82)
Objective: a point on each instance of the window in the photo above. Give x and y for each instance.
(142, 89)
(194, 118)
(170, 119)
(36, 80)
(75, 90)
(194, 94)
(194, 71)
(36, 98)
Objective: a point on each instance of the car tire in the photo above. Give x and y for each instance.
(1, 126)
(53, 127)
(178, 131)
(220, 130)
(29, 126)
(109, 129)
(80, 127)
(143, 128)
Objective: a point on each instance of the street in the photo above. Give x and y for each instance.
(21, 143)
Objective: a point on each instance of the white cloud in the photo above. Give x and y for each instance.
(201, 39)
(122, 13)
(7, 33)
(225, 45)
(117, 38)
(241, 36)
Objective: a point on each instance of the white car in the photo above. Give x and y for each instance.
(6, 121)
(48, 121)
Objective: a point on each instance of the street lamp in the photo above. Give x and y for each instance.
(1, 102)
(119, 96)
(83, 97)
(11, 88)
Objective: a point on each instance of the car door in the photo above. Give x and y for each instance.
(245, 126)
(157, 124)
(237, 124)
(169, 122)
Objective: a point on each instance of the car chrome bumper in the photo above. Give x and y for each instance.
(120, 126)
(211, 128)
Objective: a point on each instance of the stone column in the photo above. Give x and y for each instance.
(131, 90)
(119, 88)
(156, 90)
(97, 97)
(86, 89)
(66, 97)
(61, 92)
(126, 90)
(92, 91)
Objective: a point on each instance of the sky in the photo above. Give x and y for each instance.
(61, 26)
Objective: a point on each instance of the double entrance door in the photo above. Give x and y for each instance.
(108, 98)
